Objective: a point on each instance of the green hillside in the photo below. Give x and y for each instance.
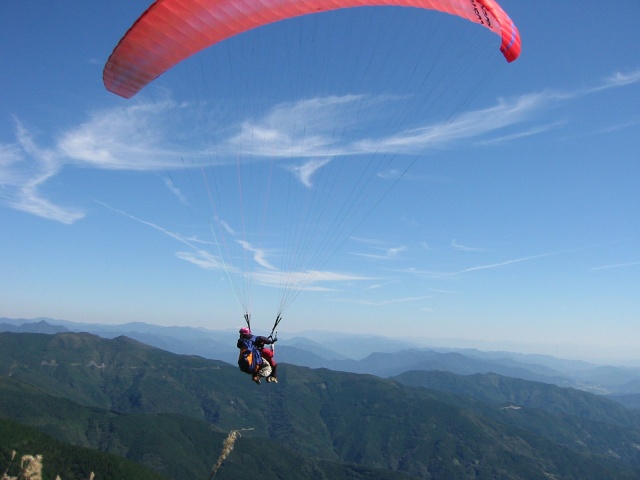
(68, 461)
(171, 413)
(498, 389)
(586, 423)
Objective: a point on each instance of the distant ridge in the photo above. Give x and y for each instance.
(41, 326)
(385, 357)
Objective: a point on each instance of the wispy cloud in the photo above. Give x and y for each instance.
(502, 264)
(433, 274)
(391, 301)
(465, 248)
(114, 139)
(634, 122)
(202, 259)
(312, 124)
(270, 276)
(305, 171)
(384, 253)
(259, 255)
(157, 136)
(175, 190)
(379, 250)
(307, 279)
(131, 138)
(24, 168)
(306, 128)
(617, 265)
(182, 239)
(530, 132)
(465, 126)
(617, 79)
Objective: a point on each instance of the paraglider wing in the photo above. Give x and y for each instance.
(172, 30)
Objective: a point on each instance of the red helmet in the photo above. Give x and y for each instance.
(245, 331)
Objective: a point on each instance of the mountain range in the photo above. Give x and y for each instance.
(373, 355)
(171, 412)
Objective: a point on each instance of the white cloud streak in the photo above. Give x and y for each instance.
(310, 280)
(176, 191)
(444, 275)
(465, 248)
(530, 132)
(24, 168)
(387, 253)
(305, 172)
(259, 255)
(306, 128)
(131, 138)
(393, 301)
(502, 264)
(307, 278)
(617, 265)
(148, 137)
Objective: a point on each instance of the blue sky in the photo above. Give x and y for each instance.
(515, 225)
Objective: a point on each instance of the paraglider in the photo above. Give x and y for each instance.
(170, 31)
(256, 359)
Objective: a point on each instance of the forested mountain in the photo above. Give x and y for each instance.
(374, 355)
(68, 461)
(171, 413)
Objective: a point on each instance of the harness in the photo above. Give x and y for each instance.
(250, 360)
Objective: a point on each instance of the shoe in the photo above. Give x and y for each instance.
(273, 379)
(256, 379)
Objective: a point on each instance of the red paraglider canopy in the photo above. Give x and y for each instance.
(172, 30)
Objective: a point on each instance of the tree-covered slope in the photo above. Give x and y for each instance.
(141, 402)
(68, 461)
